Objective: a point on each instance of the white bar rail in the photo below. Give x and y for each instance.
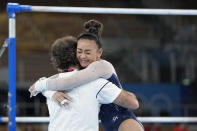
(95, 10)
(142, 119)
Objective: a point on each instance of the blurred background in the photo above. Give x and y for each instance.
(154, 55)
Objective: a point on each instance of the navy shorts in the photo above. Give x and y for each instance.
(112, 116)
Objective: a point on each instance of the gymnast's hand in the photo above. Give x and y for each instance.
(32, 91)
(62, 98)
(38, 87)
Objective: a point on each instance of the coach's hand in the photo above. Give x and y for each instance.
(61, 98)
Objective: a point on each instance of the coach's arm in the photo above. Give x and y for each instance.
(127, 100)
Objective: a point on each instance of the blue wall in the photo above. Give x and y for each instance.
(153, 96)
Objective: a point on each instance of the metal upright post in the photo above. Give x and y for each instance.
(12, 69)
(12, 9)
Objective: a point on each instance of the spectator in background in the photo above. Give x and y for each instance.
(153, 127)
(181, 127)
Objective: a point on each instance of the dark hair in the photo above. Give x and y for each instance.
(93, 31)
(63, 52)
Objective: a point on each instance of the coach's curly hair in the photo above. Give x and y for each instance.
(93, 31)
(63, 52)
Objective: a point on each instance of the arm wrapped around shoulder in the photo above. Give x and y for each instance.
(127, 100)
(41, 84)
(98, 69)
(38, 87)
(101, 68)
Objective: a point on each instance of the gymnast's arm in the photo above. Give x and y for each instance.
(94, 71)
(40, 85)
(49, 94)
(57, 96)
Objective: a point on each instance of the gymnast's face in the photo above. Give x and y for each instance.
(88, 52)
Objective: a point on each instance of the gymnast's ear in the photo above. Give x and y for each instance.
(100, 52)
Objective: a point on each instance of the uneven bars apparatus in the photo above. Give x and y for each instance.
(142, 119)
(13, 8)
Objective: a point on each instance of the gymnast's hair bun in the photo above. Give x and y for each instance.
(93, 26)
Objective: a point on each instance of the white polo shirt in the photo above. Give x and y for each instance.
(82, 113)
